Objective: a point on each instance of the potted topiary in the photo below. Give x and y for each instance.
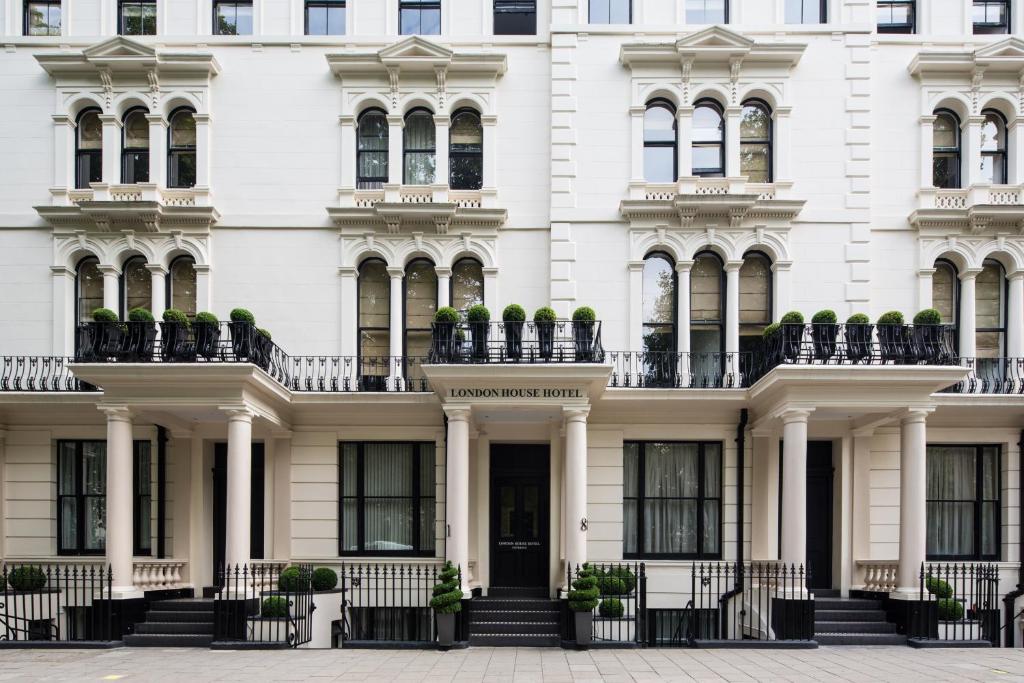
(583, 323)
(207, 333)
(141, 335)
(617, 580)
(928, 335)
(479, 319)
(443, 346)
(109, 333)
(274, 607)
(611, 608)
(264, 348)
(823, 331)
(243, 333)
(544, 318)
(174, 334)
(513, 318)
(27, 578)
(446, 601)
(893, 338)
(858, 337)
(583, 599)
(792, 325)
(324, 579)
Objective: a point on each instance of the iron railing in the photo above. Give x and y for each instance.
(39, 373)
(621, 612)
(561, 341)
(959, 602)
(991, 376)
(57, 602)
(349, 373)
(264, 605)
(659, 370)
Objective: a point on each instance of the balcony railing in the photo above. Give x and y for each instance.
(658, 370)
(991, 376)
(39, 373)
(561, 341)
(350, 373)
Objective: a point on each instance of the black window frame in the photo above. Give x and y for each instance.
(406, 150)
(907, 28)
(978, 501)
(409, 364)
(120, 16)
(95, 155)
(139, 499)
(380, 366)
(725, 19)
(701, 499)
(360, 498)
(132, 158)
(822, 9)
(80, 500)
(451, 286)
(723, 295)
(515, 18)
(722, 145)
(662, 103)
(215, 27)
(1004, 296)
(953, 152)
(476, 156)
(419, 6)
(672, 327)
(174, 154)
(590, 13)
(993, 28)
(1000, 156)
(769, 142)
(78, 289)
(26, 27)
(373, 182)
(325, 4)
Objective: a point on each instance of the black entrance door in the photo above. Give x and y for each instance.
(519, 515)
(220, 503)
(819, 514)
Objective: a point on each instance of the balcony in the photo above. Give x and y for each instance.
(561, 341)
(394, 206)
(991, 376)
(141, 206)
(39, 373)
(657, 370)
(694, 200)
(972, 209)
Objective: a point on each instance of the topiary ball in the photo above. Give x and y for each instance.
(611, 608)
(584, 314)
(949, 609)
(241, 315)
(938, 587)
(513, 313)
(858, 319)
(928, 316)
(27, 578)
(206, 317)
(446, 314)
(173, 315)
(824, 317)
(478, 314)
(274, 607)
(264, 333)
(293, 580)
(140, 315)
(324, 579)
(891, 318)
(105, 315)
(793, 318)
(545, 314)
(771, 329)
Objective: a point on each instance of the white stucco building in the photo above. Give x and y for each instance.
(690, 169)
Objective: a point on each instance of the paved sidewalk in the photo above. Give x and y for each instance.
(527, 664)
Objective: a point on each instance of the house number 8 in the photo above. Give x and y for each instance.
(583, 524)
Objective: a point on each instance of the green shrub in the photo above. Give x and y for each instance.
(206, 317)
(825, 317)
(264, 333)
(584, 314)
(274, 607)
(938, 587)
(928, 316)
(771, 329)
(241, 315)
(858, 319)
(513, 313)
(545, 314)
(949, 609)
(891, 318)
(625, 576)
(447, 595)
(611, 585)
(105, 315)
(324, 579)
(293, 580)
(793, 318)
(584, 594)
(140, 315)
(27, 578)
(611, 608)
(447, 314)
(478, 314)
(173, 315)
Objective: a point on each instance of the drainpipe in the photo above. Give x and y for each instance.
(741, 442)
(161, 487)
(1010, 598)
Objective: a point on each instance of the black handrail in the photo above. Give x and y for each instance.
(39, 373)
(58, 602)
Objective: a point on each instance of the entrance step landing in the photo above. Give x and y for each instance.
(175, 623)
(850, 621)
(514, 617)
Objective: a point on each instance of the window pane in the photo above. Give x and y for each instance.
(944, 283)
(945, 170)
(950, 529)
(671, 470)
(350, 525)
(659, 124)
(631, 465)
(707, 159)
(388, 524)
(755, 162)
(989, 529)
(316, 21)
(183, 286)
(993, 134)
(670, 526)
(755, 286)
(94, 467)
(428, 526)
(349, 471)
(420, 295)
(419, 145)
(712, 470)
(90, 131)
(69, 524)
(90, 289)
(183, 130)
(951, 473)
(138, 284)
(95, 523)
(660, 164)
(67, 459)
(374, 295)
(706, 289)
(467, 284)
(990, 473)
(43, 18)
(803, 12)
(945, 132)
(428, 473)
(136, 130)
(631, 529)
(705, 11)
(712, 526)
(659, 290)
(387, 469)
(707, 124)
(755, 123)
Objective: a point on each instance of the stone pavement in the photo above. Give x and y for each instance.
(505, 664)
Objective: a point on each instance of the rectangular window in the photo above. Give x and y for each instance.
(707, 11)
(963, 493)
(42, 17)
(81, 497)
(136, 17)
(325, 17)
(806, 12)
(515, 17)
(896, 16)
(611, 12)
(419, 17)
(386, 498)
(142, 496)
(672, 500)
(231, 18)
(991, 16)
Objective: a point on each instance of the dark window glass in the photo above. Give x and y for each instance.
(325, 17)
(611, 11)
(420, 306)
(707, 11)
(42, 18)
(136, 286)
(386, 499)
(990, 310)
(231, 18)
(136, 17)
(963, 493)
(88, 149)
(756, 142)
(419, 17)
(181, 281)
(81, 497)
(374, 318)
(897, 16)
(660, 164)
(946, 150)
(993, 148)
(466, 151)
(946, 291)
(806, 12)
(419, 148)
(372, 150)
(991, 16)
(135, 147)
(672, 500)
(467, 284)
(181, 149)
(89, 286)
(143, 498)
(708, 140)
(515, 17)
(707, 314)
(659, 302)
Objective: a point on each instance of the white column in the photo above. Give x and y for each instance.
(457, 460)
(203, 155)
(683, 269)
(967, 312)
(764, 540)
(861, 532)
(397, 274)
(783, 144)
(444, 284)
(732, 314)
(348, 151)
(111, 288)
(1015, 146)
(636, 143)
(490, 175)
(732, 141)
(239, 489)
(119, 497)
(794, 487)
(282, 521)
(576, 522)
(491, 290)
(780, 290)
(157, 150)
(158, 280)
(441, 126)
(972, 157)
(927, 143)
(924, 288)
(204, 287)
(349, 332)
(636, 305)
(913, 505)
(1015, 315)
(111, 149)
(200, 542)
(64, 305)
(684, 141)
(395, 142)
(63, 153)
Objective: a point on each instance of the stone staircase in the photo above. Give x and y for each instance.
(175, 623)
(851, 621)
(514, 617)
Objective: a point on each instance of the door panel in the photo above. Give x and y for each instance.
(519, 516)
(819, 514)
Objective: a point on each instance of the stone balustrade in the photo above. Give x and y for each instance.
(879, 576)
(158, 574)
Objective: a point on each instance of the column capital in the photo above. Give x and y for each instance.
(575, 413)
(1015, 275)
(396, 120)
(156, 119)
(396, 273)
(684, 111)
(117, 413)
(443, 271)
(238, 413)
(782, 112)
(969, 273)
(782, 266)
(442, 120)
(348, 271)
(916, 414)
(63, 119)
(458, 413)
(733, 266)
(925, 272)
(488, 120)
(109, 120)
(156, 268)
(66, 271)
(489, 271)
(927, 119)
(684, 266)
(638, 110)
(791, 415)
(108, 269)
(635, 266)
(347, 119)
(203, 119)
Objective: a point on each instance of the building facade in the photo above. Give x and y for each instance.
(690, 169)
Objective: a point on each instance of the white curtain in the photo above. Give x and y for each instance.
(671, 481)
(952, 487)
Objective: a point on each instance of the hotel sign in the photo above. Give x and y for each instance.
(515, 392)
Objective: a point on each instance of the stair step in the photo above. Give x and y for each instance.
(526, 628)
(849, 615)
(168, 640)
(846, 603)
(854, 627)
(486, 615)
(825, 592)
(518, 592)
(168, 627)
(185, 605)
(515, 605)
(515, 640)
(860, 639)
(190, 616)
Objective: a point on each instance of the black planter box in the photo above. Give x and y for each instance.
(443, 345)
(513, 339)
(894, 343)
(583, 338)
(824, 336)
(174, 340)
(546, 339)
(479, 333)
(243, 340)
(207, 339)
(859, 345)
(792, 336)
(793, 619)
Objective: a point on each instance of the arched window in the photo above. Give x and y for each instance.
(467, 287)
(374, 311)
(181, 283)
(946, 150)
(990, 310)
(135, 147)
(660, 142)
(88, 149)
(707, 289)
(372, 150)
(89, 288)
(708, 140)
(993, 148)
(756, 142)
(946, 292)
(419, 148)
(136, 286)
(755, 299)
(659, 301)
(466, 151)
(181, 149)
(420, 306)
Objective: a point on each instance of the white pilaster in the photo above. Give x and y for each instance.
(683, 269)
(861, 532)
(913, 505)
(927, 143)
(684, 141)
(636, 305)
(968, 322)
(157, 150)
(111, 149)
(764, 540)
(239, 488)
(490, 170)
(1015, 315)
(733, 116)
(924, 288)
(119, 497)
(441, 170)
(457, 546)
(200, 540)
(783, 144)
(204, 287)
(780, 290)
(972, 154)
(491, 290)
(576, 522)
(396, 311)
(794, 487)
(348, 150)
(395, 143)
(732, 314)
(158, 280)
(349, 332)
(444, 286)
(1015, 147)
(64, 313)
(63, 152)
(203, 156)
(111, 287)
(636, 139)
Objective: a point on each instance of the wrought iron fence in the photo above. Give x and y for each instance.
(658, 370)
(959, 602)
(39, 373)
(621, 612)
(264, 604)
(991, 376)
(391, 602)
(350, 373)
(56, 602)
(560, 341)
